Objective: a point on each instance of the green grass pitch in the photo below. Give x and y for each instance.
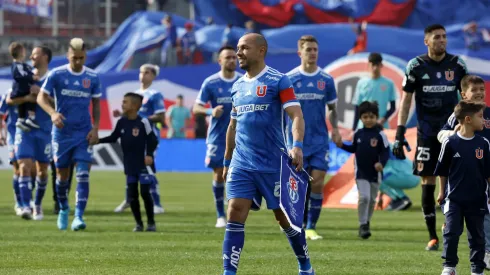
(188, 243)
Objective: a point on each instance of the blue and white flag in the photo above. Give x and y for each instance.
(293, 192)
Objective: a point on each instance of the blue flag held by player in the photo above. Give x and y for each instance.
(293, 192)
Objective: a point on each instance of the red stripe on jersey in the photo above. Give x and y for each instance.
(287, 95)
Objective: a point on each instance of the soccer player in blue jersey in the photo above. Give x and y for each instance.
(254, 142)
(314, 89)
(33, 148)
(216, 90)
(154, 110)
(11, 113)
(463, 166)
(138, 142)
(435, 79)
(73, 87)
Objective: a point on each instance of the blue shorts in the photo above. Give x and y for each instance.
(35, 145)
(215, 155)
(243, 184)
(69, 151)
(317, 160)
(11, 145)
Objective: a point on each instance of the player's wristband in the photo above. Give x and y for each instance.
(298, 144)
(226, 162)
(209, 111)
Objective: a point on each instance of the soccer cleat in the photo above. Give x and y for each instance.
(487, 260)
(78, 224)
(22, 125)
(63, 219)
(312, 235)
(18, 210)
(364, 231)
(158, 209)
(38, 213)
(309, 272)
(32, 123)
(449, 271)
(26, 213)
(221, 222)
(138, 228)
(123, 206)
(433, 245)
(151, 228)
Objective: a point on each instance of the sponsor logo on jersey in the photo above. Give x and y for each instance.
(438, 89)
(74, 93)
(309, 96)
(346, 73)
(272, 77)
(248, 108)
(223, 100)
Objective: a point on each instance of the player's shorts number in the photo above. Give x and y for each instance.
(212, 150)
(423, 153)
(277, 189)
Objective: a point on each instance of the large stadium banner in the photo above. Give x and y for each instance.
(42, 8)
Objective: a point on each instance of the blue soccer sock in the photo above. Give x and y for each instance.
(62, 191)
(15, 186)
(218, 191)
(82, 192)
(25, 191)
(300, 248)
(232, 246)
(40, 190)
(316, 201)
(155, 192)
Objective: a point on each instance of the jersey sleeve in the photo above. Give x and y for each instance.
(115, 135)
(486, 156)
(204, 94)
(444, 160)
(3, 104)
(410, 80)
(391, 91)
(96, 89)
(286, 93)
(22, 72)
(331, 95)
(157, 103)
(351, 148)
(356, 100)
(384, 149)
(49, 84)
(450, 123)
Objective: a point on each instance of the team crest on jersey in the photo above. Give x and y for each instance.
(479, 153)
(293, 189)
(383, 87)
(438, 75)
(298, 84)
(320, 84)
(486, 123)
(136, 132)
(374, 142)
(220, 90)
(449, 75)
(420, 166)
(86, 83)
(261, 90)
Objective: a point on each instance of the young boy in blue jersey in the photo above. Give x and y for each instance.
(371, 148)
(138, 142)
(472, 88)
(23, 80)
(464, 167)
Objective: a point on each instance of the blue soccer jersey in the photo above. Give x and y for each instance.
(73, 93)
(314, 91)
(452, 122)
(152, 104)
(259, 104)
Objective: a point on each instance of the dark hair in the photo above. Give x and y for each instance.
(470, 79)
(15, 49)
(375, 58)
(369, 107)
(135, 96)
(467, 108)
(180, 96)
(306, 38)
(46, 51)
(433, 27)
(227, 47)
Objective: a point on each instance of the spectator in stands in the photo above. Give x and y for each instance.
(209, 21)
(188, 43)
(168, 54)
(250, 27)
(178, 117)
(228, 38)
(474, 37)
(361, 37)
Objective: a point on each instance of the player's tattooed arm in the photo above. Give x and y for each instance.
(96, 111)
(405, 108)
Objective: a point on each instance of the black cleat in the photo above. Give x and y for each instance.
(364, 231)
(138, 228)
(151, 228)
